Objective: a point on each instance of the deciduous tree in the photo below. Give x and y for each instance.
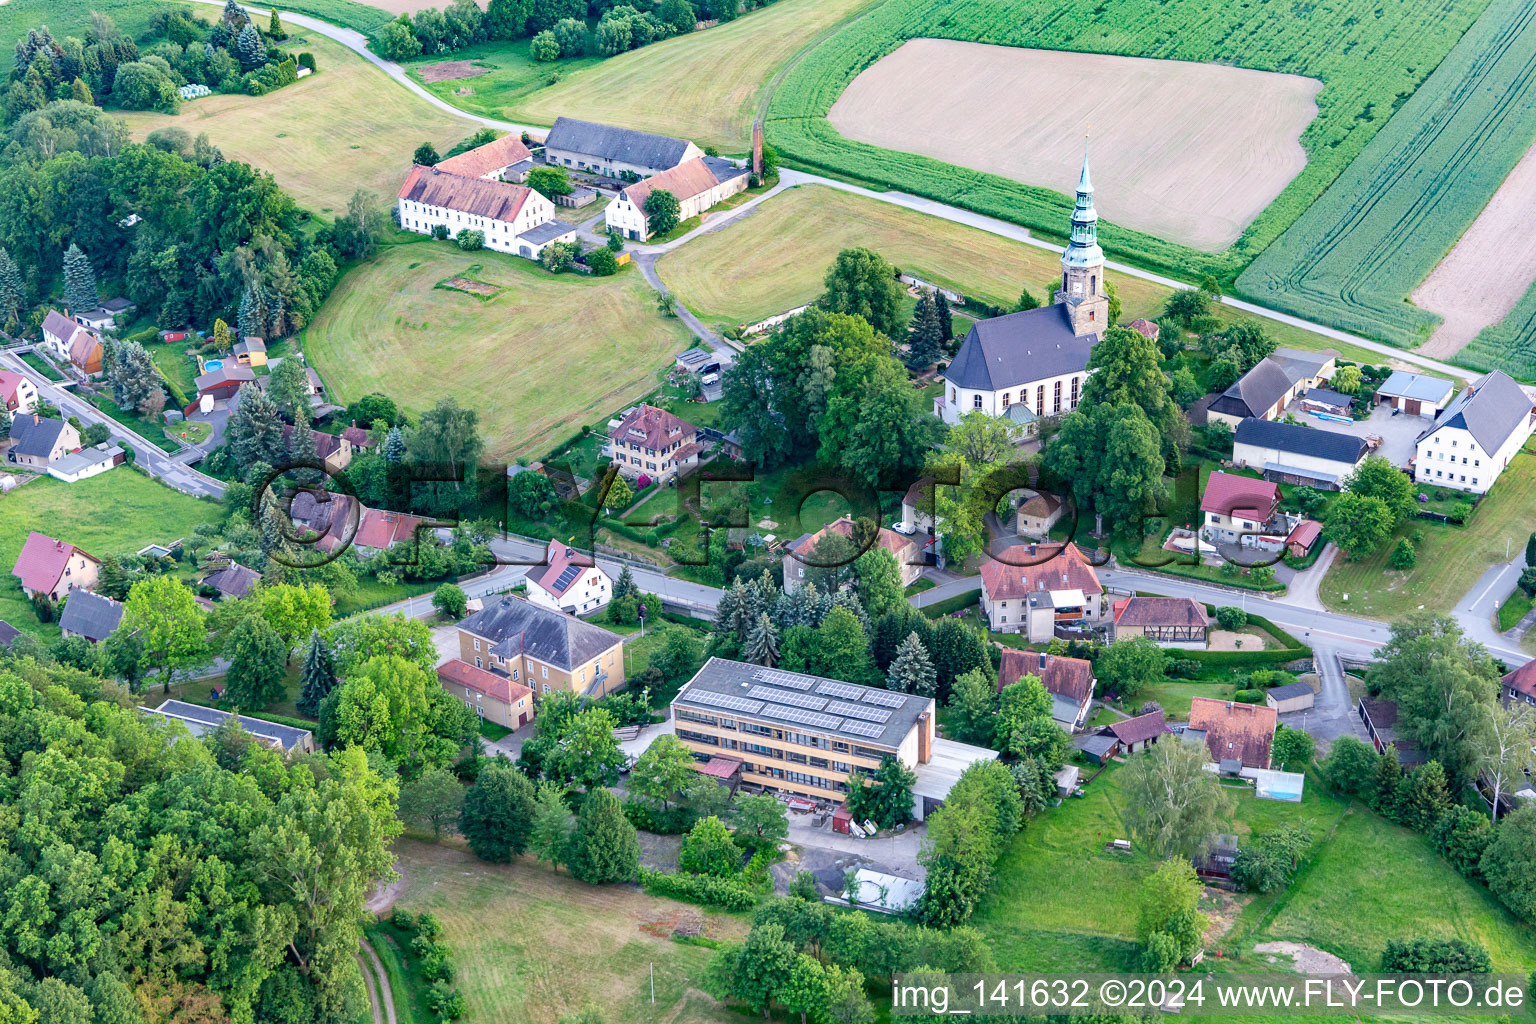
(432, 800)
(861, 283)
(257, 656)
(497, 816)
(1173, 803)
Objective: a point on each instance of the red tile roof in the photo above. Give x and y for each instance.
(42, 561)
(1140, 728)
(493, 685)
(482, 160)
(326, 445)
(684, 181)
(1522, 680)
(378, 528)
(84, 347)
(9, 382)
(655, 428)
(496, 200)
(890, 540)
(1160, 611)
(1070, 678)
(1242, 496)
(1146, 328)
(1306, 533)
(561, 557)
(1048, 567)
(1243, 732)
(357, 436)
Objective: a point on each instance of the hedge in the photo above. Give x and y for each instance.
(952, 604)
(292, 723)
(704, 889)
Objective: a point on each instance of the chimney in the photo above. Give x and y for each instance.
(925, 737)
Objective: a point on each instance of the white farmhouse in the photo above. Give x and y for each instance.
(570, 583)
(698, 184)
(1033, 364)
(1475, 437)
(615, 152)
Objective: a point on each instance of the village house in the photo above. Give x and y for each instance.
(545, 650)
(1519, 686)
(17, 394)
(8, 634)
(1036, 589)
(37, 441)
(917, 507)
(87, 462)
(652, 442)
(1037, 513)
(333, 450)
(571, 582)
(1290, 454)
(223, 382)
(1273, 383)
(1476, 435)
(697, 185)
(1033, 364)
(1235, 734)
(801, 554)
(614, 152)
(1179, 622)
(201, 721)
(1069, 681)
(234, 581)
(250, 352)
(1415, 394)
(495, 698)
(105, 316)
(513, 218)
(73, 343)
(338, 519)
(1139, 733)
(53, 568)
(1237, 509)
(93, 616)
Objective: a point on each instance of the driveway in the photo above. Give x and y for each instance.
(1397, 431)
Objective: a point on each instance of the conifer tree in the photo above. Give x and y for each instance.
(81, 93)
(604, 847)
(234, 15)
(301, 445)
(79, 281)
(275, 27)
(1530, 550)
(249, 48)
(762, 646)
(255, 433)
(946, 321)
(911, 670)
(13, 289)
(221, 335)
(318, 675)
(927, 336)
(394, 447)
(625, 584)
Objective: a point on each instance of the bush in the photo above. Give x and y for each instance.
(440, 232)
(307, 60)
(1404, 556)
(1435, 956)
(1184, 668)
(1231, 618)
(404, 920)
(1249, 696)
(471, 240)
(445, 1001)
(708, 890)
(672, 822)
(544, 47)
(603, 262)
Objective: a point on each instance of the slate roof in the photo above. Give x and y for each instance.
(1049, 567)
(201, 720)
(1290, 690)
(483, 160)
(245, 346)
(457, 672)
(8, 633)
(42, 561)
(85, 458)
(546, 232)
(1240, 731)
(35, 435)
(1071, 678)
(516, 627)
(624, 145)
(1160, 611)
(1402, 384)
(1139, 729)
(234, 580)
(60, 326)
(1332, 445)
(1227, 494)
(1490, 410)
(1010, 350)
(1256, 392)
(479, 197)
(1325, 397)
(93, 616)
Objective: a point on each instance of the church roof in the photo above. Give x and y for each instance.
(1018, 348)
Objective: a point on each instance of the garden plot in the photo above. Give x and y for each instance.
(1191, 152)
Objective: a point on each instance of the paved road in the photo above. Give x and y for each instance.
(166, 468)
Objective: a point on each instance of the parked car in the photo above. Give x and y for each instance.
(710, 378)
(904, 528)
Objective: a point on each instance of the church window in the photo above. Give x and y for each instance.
(1074, 392)
(1093, 282)
(1057, 407)
(1007, 399)
(975, 401)
(953, 395)
(1040, 399)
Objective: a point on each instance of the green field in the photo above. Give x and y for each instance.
(344, 128)
(1510, 345)
(534, 946)
(1367, 56)
(542, 356)
(1423, 179)
(110, 514)
(1450, 560)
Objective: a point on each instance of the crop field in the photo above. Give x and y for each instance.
(1189, 152)
(1510, 345)
(704, 86)
(344, 128)
(541, 356)
(1368, 242)
(1369, 57)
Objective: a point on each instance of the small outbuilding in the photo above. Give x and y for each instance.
(1140, 732)
(1291, 697)
(1099, 749)
(1415, 394)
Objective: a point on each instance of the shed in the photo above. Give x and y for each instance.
(1291, 697)
(1140, 732)
(1217, 855)
(1099, 749)
(1415, 394)
(1066, 780)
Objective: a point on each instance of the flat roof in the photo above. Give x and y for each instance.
(866, 715)
(936, 778)
(200, 719)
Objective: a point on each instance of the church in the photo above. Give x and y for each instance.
(1033, 364)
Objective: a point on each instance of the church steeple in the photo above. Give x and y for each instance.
(1082, 264)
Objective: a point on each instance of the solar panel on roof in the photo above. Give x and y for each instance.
(725, 700)
(864, 711)
(568, 577)
(812, 718)
(862, 728)
(884, 698)
(799, 700)
(847, 690)
(793, 680)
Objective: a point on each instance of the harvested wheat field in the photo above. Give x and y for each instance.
(535, 946)
(1492, 265)
(1189, 152)
(345, 128)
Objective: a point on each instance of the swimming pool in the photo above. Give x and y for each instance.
(209, 365)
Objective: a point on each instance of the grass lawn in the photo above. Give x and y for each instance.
(1513, 610)
(37, 363)
(190, 431)
(344, 128)
(370, 594)
(114, 513)
(507, 78)
(200, 691)
(534, 945)
(704, 86)
(542, 356)
(150, 430)
(1450, 560)
(175, 366)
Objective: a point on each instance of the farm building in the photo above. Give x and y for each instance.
(1415, 394)
(570, 581)
(491, 695)
(614, 152)
(1166, 621)
(1290, 454)
(543, 649)
(697, 185)
(1036, 589)
(223, 381)
(491, 161)
(1232, 731)
(514, 219)
(93, 616)
(1036, 359)
(801, 553)
(654, 443)
(1476, 435)
(200, 721)
(87, 462)
(1273, 383)
(1322, 402)
(1291, 697)
(1069, 681)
